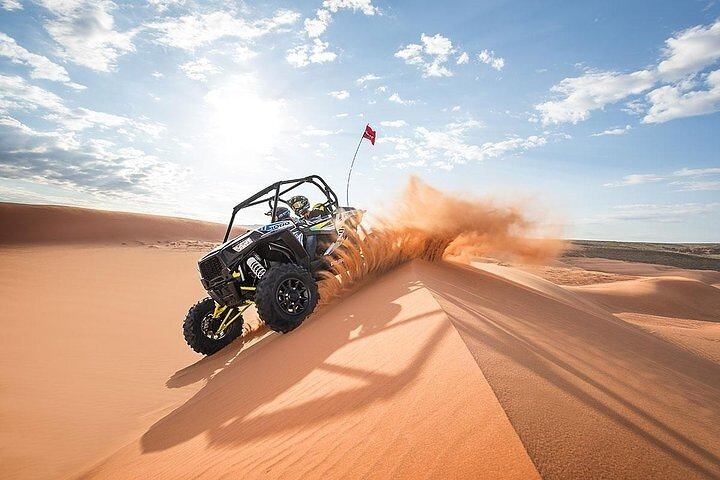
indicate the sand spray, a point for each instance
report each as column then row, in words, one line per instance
column 426, row 223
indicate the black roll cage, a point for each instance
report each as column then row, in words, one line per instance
column 272, row 194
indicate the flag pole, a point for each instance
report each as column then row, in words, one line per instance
column 347, row 187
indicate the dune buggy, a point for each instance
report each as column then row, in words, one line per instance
column 273, row 266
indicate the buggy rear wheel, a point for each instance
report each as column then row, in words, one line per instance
column 285, row 296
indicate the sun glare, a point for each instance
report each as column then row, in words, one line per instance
column 242, row 121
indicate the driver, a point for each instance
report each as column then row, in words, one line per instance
column 301, row 206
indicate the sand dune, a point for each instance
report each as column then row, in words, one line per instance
column 619, row 267
column 434, row 370
column 667, row 296
column 678, row 305
column 680, row 310
column 52, row 224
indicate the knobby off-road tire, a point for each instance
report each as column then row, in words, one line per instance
column 285, row 296
column 198, row 324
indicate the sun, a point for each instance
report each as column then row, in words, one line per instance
column 242, row 121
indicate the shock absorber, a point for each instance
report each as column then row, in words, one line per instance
column 256, row 267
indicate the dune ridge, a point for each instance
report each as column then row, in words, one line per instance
column 681, row 297
column 680, row 309
column 588, row 394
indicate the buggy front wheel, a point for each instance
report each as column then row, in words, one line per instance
column 202, row 330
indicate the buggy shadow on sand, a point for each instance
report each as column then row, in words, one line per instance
column 273, row 266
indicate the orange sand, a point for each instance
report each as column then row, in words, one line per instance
column 53, row 225
column 434, row 370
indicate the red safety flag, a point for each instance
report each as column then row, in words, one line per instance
column 370, row 134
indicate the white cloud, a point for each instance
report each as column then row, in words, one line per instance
column 489, row 58
column 281, row 19
column 40, row 67
column 381, row 89
column 685, row 55
column 367, row 78
column 199, row 69
column 697, row 185
column 696, row 172
column 317, row 51
column 430, row 56
column 512, row 145
column 456, row 108
column 17, row 95
column 690, row 51
column 340, row 94
column 658, row 213
column 82, row 118
column 592, row 91
column 157, row 74
column 635, row 107
column 93, row 166
column 11, row 5
column 613, row 131
column 365, row 6
column 395, row 98
column 163, row 5
column 463, row 59
column 671, row 102
column 695, row 182
column 243, row 53
column 394, row 123
column 318, row 132
column 196, row 30
column 304, row 55
column 449, row 146
column 85, row 32
column 314, row 27
column 412, row 54
column 322, row 149
column 437, row 45
column 635, row 179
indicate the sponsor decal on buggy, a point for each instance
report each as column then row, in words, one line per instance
column 271, row 227
column 239, row 247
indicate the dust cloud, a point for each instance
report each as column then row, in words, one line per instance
column 426, row 223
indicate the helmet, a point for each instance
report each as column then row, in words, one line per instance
column 299, row 204
column 282, row 213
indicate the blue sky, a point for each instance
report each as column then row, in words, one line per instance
column 602, row 116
